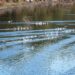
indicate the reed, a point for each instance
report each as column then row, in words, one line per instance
column 40, row 13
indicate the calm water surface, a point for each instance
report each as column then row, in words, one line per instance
column 38, row 49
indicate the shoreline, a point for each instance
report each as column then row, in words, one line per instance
column 32, row 11
column 11, row 6
column 30, row 5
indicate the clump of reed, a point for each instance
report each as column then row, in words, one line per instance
column 40, row 13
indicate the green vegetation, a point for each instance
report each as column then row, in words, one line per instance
column 43, row 13
column 38, row 13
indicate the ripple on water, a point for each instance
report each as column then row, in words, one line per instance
column 37, row 52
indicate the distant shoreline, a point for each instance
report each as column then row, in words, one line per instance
column 31, row 4
column 33, row 11
column 8, row 6
column 11, row 6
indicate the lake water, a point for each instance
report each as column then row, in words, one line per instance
column 35, row 49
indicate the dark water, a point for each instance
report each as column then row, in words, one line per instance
column 28, row 49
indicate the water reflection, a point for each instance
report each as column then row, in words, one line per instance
column 40, row 51
column 37, row 47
